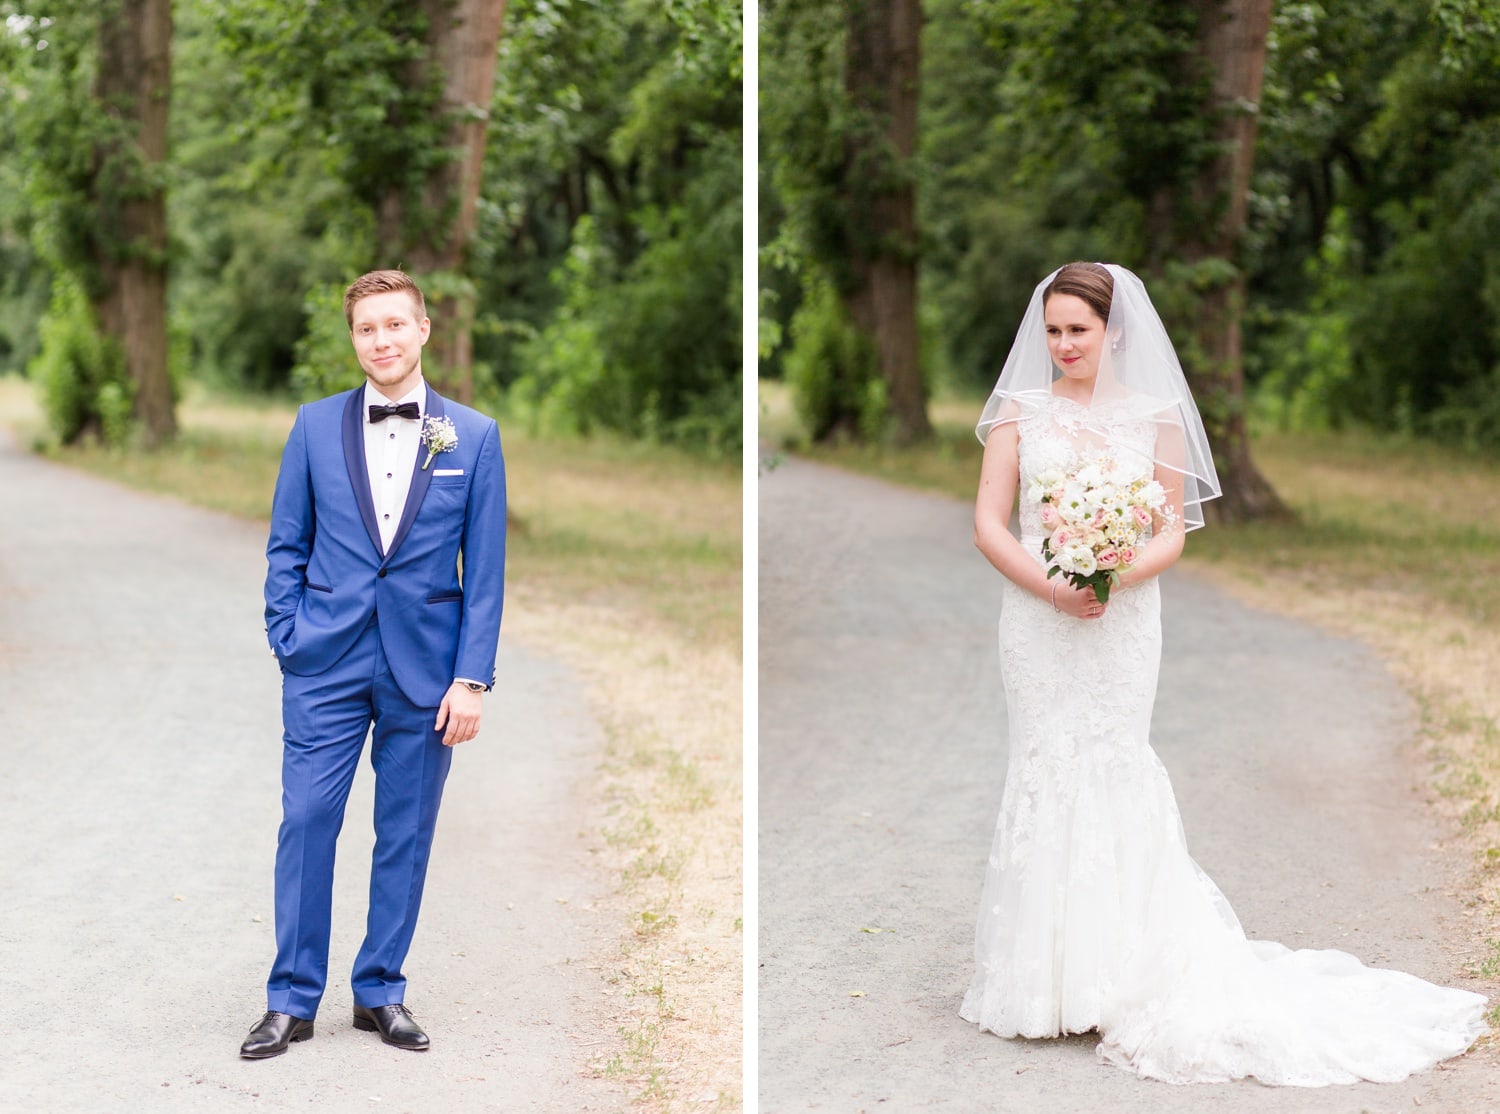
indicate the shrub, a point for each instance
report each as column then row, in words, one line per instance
column 80, row 371
column 831, row 370
column 326, row 363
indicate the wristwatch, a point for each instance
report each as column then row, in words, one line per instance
column 475, row 686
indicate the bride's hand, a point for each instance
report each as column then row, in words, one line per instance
column 1079, row 603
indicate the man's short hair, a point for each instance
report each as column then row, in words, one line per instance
column 382, row 282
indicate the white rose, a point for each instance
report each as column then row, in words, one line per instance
column 1035, row 492
column 1073, row 507
column 1051, row 477
column 1078, row 558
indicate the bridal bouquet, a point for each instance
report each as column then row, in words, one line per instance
column 1096, row 519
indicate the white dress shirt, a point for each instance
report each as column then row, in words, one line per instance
column 390, row 455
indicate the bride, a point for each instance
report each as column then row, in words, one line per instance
column 1094, row 915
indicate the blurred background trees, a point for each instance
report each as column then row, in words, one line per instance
column 1348, row 273
column 562, row 176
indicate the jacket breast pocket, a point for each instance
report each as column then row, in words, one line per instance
column 444, row 504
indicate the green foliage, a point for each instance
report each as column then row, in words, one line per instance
column 831, row 370
column 1053, row 132
column 1117, row 111
column 81, row 163
column 616, row 165
column 838, row 188
column 645, row 353
column 25, row 290
column 1035, row 153
column 326, row 363
column 291, row 121
column 1469, row 419
column 807, row 124
column 1311, row 358
column 80, row 371
column 351, row 77
column 1375, row 292
column 565, row 362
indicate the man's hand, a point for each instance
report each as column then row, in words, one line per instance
column 460, row 712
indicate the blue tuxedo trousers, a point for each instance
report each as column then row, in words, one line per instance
column 327, row 717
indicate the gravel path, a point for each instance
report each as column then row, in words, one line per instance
column 140, row 749
column 882, row 755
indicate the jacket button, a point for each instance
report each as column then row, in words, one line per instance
column 380, row 573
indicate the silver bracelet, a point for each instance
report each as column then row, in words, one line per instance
column 1054, row 595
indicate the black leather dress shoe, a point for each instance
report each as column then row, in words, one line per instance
column 394, row 1024
column 273, row 1033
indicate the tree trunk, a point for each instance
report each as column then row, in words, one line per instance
column 882, row 58
column 1232, row 42
column 132, row 87
column 463, row 37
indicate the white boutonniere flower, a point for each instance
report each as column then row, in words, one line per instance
column 439, row 435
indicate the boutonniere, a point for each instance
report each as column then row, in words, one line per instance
column 439, row 435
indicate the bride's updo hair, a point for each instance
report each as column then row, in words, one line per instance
column 1089, row 281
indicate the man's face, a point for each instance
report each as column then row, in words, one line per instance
column 388, row 338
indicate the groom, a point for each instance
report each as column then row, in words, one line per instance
column 383, row 491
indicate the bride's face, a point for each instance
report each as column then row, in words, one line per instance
column 1075, row 336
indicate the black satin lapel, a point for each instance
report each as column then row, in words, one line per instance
column 354, row 460
column 420, row 477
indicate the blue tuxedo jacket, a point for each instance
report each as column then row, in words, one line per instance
column 327, row 574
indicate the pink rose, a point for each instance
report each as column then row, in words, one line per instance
column 1127, row 556
column 1056, row 495
column 1061, row 538
column 1108, row 557
column 1050, row 518
column 1142, row 517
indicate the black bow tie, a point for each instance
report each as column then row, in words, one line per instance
column 380, row 413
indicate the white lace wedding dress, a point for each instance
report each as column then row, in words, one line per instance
column 1094, row 915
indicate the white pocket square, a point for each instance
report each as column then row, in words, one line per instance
column 447, row 471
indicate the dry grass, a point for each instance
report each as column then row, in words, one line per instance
column 1396, row 543
column 671, row 709
column 624, row 561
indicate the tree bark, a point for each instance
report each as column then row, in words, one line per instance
column 133, row 86
column 1232, row 38
column 463, row 37
column 883, row 56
